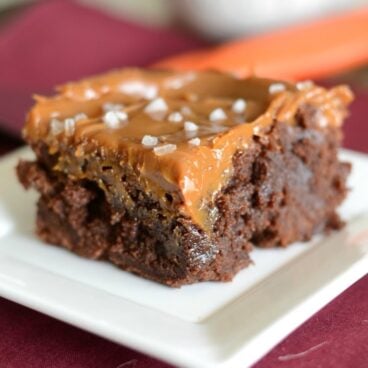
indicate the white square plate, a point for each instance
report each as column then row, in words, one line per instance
column 203, row 325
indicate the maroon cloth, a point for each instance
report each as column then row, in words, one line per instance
column 57, row 41
column 356, row 126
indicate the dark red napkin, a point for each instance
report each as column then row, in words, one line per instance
column 356, row 126
column 60, row 40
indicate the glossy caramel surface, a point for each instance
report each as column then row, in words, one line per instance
column 178, row 131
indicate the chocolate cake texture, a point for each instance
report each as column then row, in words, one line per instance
column 175, row 176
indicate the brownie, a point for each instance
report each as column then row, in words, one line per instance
column 175, row 176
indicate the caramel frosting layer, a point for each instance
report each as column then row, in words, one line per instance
column 178, row 131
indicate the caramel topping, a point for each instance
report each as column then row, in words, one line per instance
column 177, row 130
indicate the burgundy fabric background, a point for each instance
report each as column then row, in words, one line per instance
column 57, row 41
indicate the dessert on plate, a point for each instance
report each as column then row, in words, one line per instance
column 175, row 176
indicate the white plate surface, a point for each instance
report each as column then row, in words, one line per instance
column 203, row 325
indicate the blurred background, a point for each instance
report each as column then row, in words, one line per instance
column 216, row 19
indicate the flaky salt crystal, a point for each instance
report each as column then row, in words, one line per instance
column 149, row 140
column 276, row 88
column 322, row 120
column 302, row 85
column 56, row 126
column 217, row 153
column 256, row 130
column 189, row 126
column 139, row 89
column 217, row 114
column 115, row 119
column 175, row 117
column 188, row 184
column 69, row 126
column 90, row 94
column 239, row 106
column 180, row 81
column 195, row 141
column 157, row 105
column 165, row 149
column 80, row 116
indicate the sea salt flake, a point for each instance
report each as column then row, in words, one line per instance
column 109, row 106
column 195, row 141
column 217, row 114
column 188, row 184
column 256, row 130
column 175, row 117
column 303, row 85
column 69, row 126
column 90, row 94
column 276, row 88
column 80, row 116
column 149, row 141
column 139, row 89
column 322, row 120
column 217, row 153
column 189, row 126
column 165, row 149
column 157, row 105
column 56, row 126
column 115, row 119
column 239, row 106
column 180, row 81
column 157, row 108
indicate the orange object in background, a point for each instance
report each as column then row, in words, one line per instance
column 312, row 50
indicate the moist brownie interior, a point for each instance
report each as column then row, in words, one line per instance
column 176, row 175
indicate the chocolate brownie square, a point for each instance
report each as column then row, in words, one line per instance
column 175, row 176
